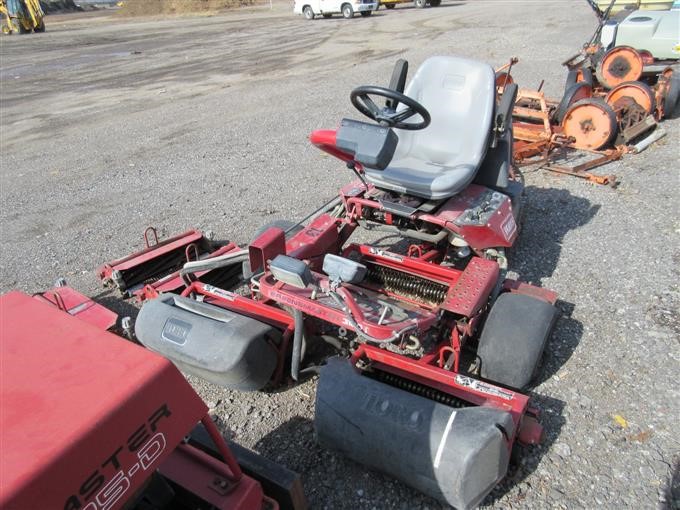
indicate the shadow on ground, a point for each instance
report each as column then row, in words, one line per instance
column 526, row 459
column 562, row 343
column 671, row 494
column 549, row 215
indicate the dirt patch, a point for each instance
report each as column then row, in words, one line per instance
column 151, row 7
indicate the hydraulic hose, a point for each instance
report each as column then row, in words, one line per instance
column 228, row 259
column 297, row 344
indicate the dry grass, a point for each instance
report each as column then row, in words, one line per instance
column 150, row 7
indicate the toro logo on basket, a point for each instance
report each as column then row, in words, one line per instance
column 399, row 414
column 509, row 227
column 101, row 492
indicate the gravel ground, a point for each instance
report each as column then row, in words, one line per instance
column 110, row 125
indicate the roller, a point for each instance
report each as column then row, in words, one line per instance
column 454, row 453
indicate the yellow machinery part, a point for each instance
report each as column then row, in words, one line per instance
column 31, row 19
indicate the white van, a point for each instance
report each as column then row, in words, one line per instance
column 326, row 8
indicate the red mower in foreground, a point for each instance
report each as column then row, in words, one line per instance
column 434, row 344
column 92, row 422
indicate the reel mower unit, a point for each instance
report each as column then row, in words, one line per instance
column 429, row 348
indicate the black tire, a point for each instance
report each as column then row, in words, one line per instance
column 22, row 29
column 347, row 11
column 513, row 339
column 390, row 6
column 308, row 12
column 40, row 28
column 366, row 14
column 419, row 4
column 672, row 99
column 573, row 94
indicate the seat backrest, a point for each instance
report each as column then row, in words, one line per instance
column 460, row 95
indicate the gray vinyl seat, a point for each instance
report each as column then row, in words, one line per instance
column 441, row 160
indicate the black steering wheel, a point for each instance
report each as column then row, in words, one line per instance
column 389, row 115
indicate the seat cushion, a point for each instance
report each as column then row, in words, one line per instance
column 423, row 178
column 442, row 159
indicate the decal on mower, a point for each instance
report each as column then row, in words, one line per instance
column 176, row 331
column 229, row 296
column 147, row 445
column 483, row 387
column 385, row 254
column 304, row 306
column 509, row 227
column 378, row 406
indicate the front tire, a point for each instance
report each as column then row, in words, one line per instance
column 308, row 12
column 513, row 339
column 20, row 26
column 347, row 11
column 366, row 14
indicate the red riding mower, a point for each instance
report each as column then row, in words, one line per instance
column 434, row 343
column 92, row 422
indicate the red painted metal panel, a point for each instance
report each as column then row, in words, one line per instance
column 527, row 289
column 472, row 289
column 78, row 305
column 315, row 241
column 500, row 230
column 85, row 415
column 460, row 386
column 269, row 244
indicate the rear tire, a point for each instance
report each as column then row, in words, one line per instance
column 419, row 4
column 347, row 11
column 513, row 339
column 308, row 12
column 366, row 14
column 22, row 29
column 672, row 99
